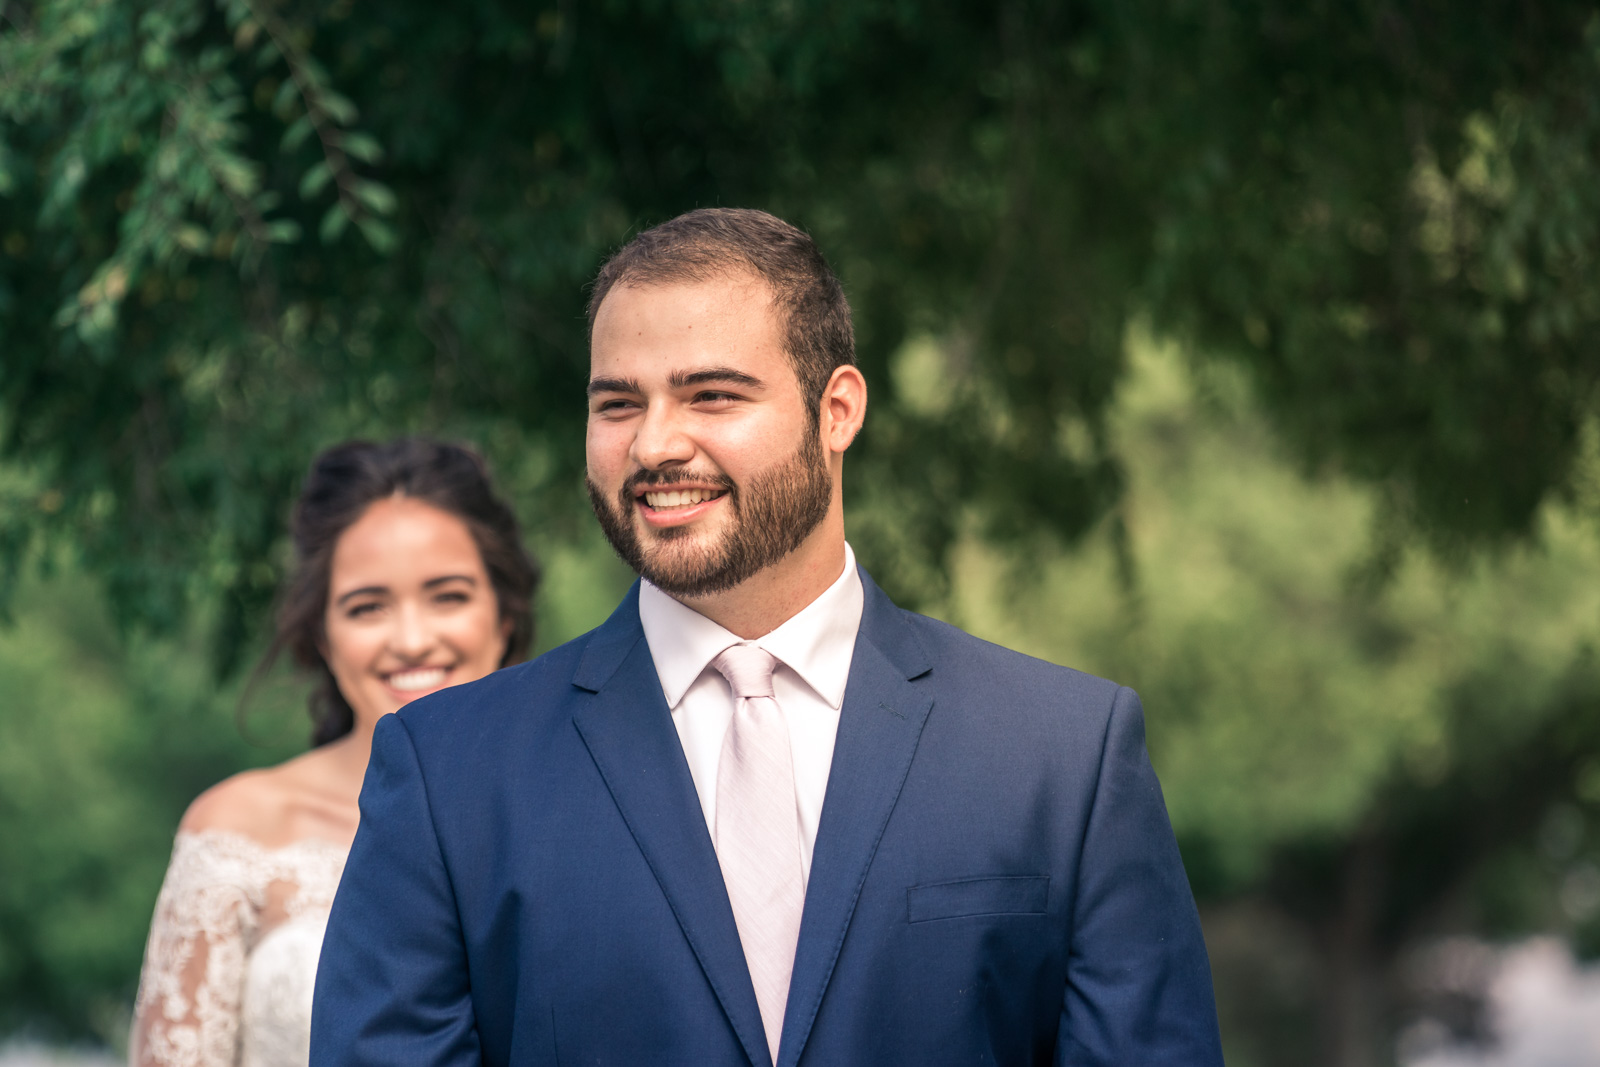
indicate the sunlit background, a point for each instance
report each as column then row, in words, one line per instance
column 1242, row 352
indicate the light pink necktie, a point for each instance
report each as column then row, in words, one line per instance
column 758, row 831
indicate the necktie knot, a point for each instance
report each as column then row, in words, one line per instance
column 748, row 670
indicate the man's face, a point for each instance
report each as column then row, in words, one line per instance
column 704, row 466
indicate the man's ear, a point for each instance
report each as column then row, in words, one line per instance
column 844, row 407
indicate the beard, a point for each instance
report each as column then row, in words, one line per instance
column 769, row 518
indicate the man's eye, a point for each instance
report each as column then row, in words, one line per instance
column 614, row 407
column 714, row 398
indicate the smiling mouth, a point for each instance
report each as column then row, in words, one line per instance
column 416, row 679
column 670, row 499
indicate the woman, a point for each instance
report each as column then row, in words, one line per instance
column 410, row 576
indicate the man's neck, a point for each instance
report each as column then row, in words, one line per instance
column 766, row 600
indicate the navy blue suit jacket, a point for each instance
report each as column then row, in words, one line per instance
column 995, row 880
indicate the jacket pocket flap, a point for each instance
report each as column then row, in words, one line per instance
column 1012, row 895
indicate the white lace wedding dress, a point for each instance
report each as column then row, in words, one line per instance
column 232, row 955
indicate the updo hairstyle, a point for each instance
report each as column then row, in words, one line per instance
column 342, row 483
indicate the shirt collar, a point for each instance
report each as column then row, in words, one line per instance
column 816, row 643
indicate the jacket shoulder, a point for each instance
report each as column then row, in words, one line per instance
column 958, row 654
column 492, row 704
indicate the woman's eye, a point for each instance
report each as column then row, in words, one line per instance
column 356, row 611
column 451, row 598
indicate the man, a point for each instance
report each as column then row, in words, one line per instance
column 761, row 814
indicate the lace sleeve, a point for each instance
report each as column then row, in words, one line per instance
column 187, row 1012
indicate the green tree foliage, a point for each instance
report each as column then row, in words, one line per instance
column 106, row 742
column 1350, row 767
column 233, row 231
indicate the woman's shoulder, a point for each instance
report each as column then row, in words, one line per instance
column 240, row 843
column 272, row 806
column 250, row 803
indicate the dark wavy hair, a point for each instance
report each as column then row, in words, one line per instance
column 713, row 241
column 341, row 484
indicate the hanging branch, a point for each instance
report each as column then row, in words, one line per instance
column 329, row 115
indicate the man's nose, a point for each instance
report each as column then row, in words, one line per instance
column 661, row 440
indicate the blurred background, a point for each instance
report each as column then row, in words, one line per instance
column 1244, row 352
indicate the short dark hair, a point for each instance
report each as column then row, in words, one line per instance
column 711, row 242
column 343, row 482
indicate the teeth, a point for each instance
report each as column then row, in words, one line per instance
column 678, row 498
column 420, row 678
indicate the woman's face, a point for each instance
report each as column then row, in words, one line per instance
column 410, row 608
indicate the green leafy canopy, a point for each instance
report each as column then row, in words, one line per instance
column 233, row 232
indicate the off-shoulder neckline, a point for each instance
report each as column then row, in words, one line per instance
column 237, row 837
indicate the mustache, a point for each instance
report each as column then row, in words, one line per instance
column 643, row 479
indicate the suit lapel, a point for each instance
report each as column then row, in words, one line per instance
column 628, row 729
column 879, row 726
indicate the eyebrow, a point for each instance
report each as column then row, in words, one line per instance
column 381, row 590
column 614, row 385
column 678, row 380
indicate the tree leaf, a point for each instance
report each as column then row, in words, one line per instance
column 362, row 146
column 285, row 99
column 333, row 223
column 337, row 106
column 315, row 179
column 283, row 231
column 375, row 196
column 296, row 134
column 192, row 238
column 245, row 35
column 379, row 234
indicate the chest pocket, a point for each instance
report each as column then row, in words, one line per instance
column 1010, row 895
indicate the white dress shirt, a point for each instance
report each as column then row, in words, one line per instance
column 813, row 649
